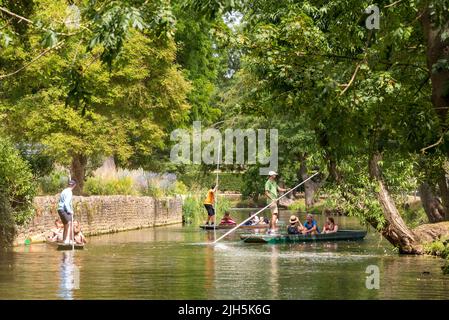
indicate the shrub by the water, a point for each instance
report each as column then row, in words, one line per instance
column 193, row 208
column 7, row 224
column 17, row 189
column 436, row 248
column 440, row 248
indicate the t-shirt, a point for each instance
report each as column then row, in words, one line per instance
column 308, row 226
column 210, row 197
column 292, row 229
column 227, row 221
column 65, row 200
column 272, row 187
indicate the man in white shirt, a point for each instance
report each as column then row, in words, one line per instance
column 65, row 210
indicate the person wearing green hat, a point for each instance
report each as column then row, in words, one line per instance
column 271, row 191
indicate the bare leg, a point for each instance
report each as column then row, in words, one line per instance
column 68, row 233
column 274, row 217
column 65, row 232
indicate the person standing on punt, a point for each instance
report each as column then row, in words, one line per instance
column 209, row 204
column 65, row 210
column 271, row 191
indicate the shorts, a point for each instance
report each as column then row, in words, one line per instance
column 210, row 209
column 274, row 208
column 65, row 216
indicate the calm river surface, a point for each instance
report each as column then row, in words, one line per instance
column 174, row 263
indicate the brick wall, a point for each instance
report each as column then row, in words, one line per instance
column 103, row 214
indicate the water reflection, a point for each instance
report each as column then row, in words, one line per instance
column 177, row 262
column 274, row 278
column 69, row 276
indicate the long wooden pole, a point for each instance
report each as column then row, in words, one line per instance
column 239, row 225
column 216, row 187
column 73, row 234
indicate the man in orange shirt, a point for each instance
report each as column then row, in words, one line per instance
column 209, row 204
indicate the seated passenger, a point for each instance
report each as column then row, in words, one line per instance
column 310, row 226
column 253, row 221
column 330, row 226
column 256, row 220
column 227, row 219
column 79, row 236
column 295, row 227
column 56, row 232
column 250, row 221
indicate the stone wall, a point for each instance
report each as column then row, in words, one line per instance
column 103, row 214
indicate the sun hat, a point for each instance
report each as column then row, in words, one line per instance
column 272, row 173
column 293, row 219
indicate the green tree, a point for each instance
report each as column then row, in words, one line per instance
column 113, row 89
column 363, row 93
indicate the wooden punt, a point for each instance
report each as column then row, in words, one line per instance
column 227, row 227
column 342, row 235
column 62, row 247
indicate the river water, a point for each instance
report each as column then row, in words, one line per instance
column 174, row 262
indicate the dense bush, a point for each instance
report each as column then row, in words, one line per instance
column 17, row 190
column 7, row 224
column 113, row 186
column 228, row 181
column 52, row 183
column 440, row 248
column 193, row 208
column 135, row 182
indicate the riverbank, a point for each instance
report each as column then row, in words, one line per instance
column 103, row 214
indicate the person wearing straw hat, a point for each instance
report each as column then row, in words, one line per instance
column 65, row 210
column 295, row 226
column 271, row 191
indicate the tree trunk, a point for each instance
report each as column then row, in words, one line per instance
column 334, row 173
column 437, row 50
column 431, row 204
column 444, row 193
column 78, row 172
column 310, row 187
column 432, row 231
column 395, row 230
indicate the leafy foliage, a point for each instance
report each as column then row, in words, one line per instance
column 17, row 187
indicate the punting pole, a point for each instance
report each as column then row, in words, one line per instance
column 216, row 186
column 236, row 227
column 73, row 234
